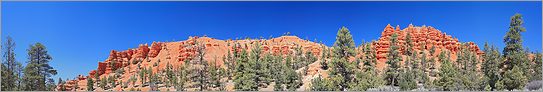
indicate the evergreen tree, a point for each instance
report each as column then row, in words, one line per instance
column 491, row 66
column 215, row 75
column 259, row 66
column 514, row 79
column 344, row 45
column 367, row 76
column 142, row 74
column 266, row 69
column 424, row 78
column 90, row 84
column 38, row 70
column 407, row 81
column 536, row 67
column 299, row 60
column 342, row 70
column 317, row 84
column 182, row 77
column 432, row 62
column 245, row 74
column 309, row 58
column 292, row 79
column 393, row 60
column 279, row 73
column 447, row 74
column 50, row 85
column 513, row 38
column 514, row 54
column 170, row 75
column 199, row 67
column 366, row 79
column 11, row 68
column 323, row 62
column 103, row 83
column 469, row 77
column 500, row 85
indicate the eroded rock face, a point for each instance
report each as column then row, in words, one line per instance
column 423, row 38
column 155, row 49
column 160, row 54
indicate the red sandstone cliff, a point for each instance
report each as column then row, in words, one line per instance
column 424, row 38
column 174, row 53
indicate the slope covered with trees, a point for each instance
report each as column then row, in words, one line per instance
column 418, row 58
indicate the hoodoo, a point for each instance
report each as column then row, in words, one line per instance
column 161, row 54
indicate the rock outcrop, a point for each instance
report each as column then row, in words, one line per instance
column 160, row 54
column 423, row 39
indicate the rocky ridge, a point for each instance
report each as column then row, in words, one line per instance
column 160, row 54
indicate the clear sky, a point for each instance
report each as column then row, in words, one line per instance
column 80, row 34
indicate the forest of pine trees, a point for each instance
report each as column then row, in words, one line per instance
column 254, row 70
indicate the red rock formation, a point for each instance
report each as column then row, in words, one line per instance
column 423, row 39
column 155, row 49
column 160, row 54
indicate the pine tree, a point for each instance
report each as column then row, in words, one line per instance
column 342, row 70
column 259, row 65
column 215, row 75
column 299, row 60
column 230, row 62
column 245, row 75
column 366, row 79
column 500, row 85
column 182, row 76
column 514, row 54
column 317, row 84
column 393, row 61
column 366, row 76
column 279, row 71
column 432, row 61
column 344, row 45
column 292, row 79
column 447, row 74
column 50, row 85
column 514, row 79
column 407, row 81
column 11, row 68
column 90, row 84
column 170, row 75
column 469, row 77
column 424, row 78
column 407, row 75
column 103, row 83
column 142, row 74
column 112, row 81
column 199, row 67
column 491, row 66
column 536, row 73
column 513, row 38
column 309, row 58
column 265, row 75
column 38, row 70
column 323, row 62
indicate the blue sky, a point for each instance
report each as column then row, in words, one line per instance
column 80, row 34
